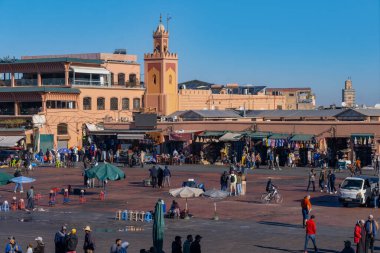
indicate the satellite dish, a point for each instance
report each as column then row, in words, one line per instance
column 344, row 104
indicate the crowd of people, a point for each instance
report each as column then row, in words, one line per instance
column 67, row 242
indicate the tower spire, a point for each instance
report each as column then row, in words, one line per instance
column 160, row 18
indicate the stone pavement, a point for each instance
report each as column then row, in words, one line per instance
column 245, row 225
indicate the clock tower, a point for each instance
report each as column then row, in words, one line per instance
column 161, row 75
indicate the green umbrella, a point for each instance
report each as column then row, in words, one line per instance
column 158, row 227
column 5, row 178
column 105, row 171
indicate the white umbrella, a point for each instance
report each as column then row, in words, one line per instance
column 186, row 192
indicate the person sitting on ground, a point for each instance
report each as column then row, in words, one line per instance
column 174, row 210
column 347, row 248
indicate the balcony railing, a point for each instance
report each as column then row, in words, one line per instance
column 29, row 111
column 53, row 81
column 5, row 82
column 26, row 82
column 88, row 82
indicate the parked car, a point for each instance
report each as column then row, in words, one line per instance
column 357, row 190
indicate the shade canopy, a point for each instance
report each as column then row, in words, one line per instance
column 5, row 178
column 186, row 192
column 22, row 180
column 10, row 141
column 231, row 137
column 302, row 137
column 90, row 70
column 105, row 171
column 158, row 227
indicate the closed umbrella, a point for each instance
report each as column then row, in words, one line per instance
column 5, row 178
column 158, row 227
column 22, row 180
column 215, row 195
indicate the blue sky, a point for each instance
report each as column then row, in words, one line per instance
column 278, row 43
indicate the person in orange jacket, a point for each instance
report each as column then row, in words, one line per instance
column 306, row 208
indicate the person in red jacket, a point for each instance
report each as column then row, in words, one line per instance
column 358, row 236
column 311, row 230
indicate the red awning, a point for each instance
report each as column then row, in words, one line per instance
column 180, row 136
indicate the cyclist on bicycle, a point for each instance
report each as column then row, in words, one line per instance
column 270, row 187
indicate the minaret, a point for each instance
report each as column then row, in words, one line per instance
column 348, row 94
column 161, row 75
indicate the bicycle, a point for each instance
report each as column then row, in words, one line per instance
column 272, row 196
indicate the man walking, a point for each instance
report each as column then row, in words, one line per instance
column 187, row 244
column 89, row 244
column 311, row 230
column 195, row 246
column 371, row 228
column 71, row 240
column 322, row 179
column 233, row 180
column 177, row 245
column 167, row 176
column 153, row 175
column 311, row 180
column 59, row 240
column 332, row 182
column 224, row 181
column 30, row 198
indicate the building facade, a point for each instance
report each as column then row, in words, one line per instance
column 296, row 98
column 57, row 95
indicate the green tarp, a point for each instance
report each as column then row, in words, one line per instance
column 276, row 136
column 5, row 178
column 105, row 171
column 212, row 133
column 302, row 137
column 258, row 135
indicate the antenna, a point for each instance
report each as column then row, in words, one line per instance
column 168, row 18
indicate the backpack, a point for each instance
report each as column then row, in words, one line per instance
column 232, row 179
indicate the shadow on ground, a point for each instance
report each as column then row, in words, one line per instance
column 278, row 249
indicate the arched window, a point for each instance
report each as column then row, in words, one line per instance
column 136, row 104
column 132, row 78
column 87, row 103
column 114, row 104
column 170, row 79
column 100, row 103
column 154, row 79
column 62, row 129
column 121, row 78
column 125, row 104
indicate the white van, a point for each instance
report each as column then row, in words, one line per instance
column 357, row 190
